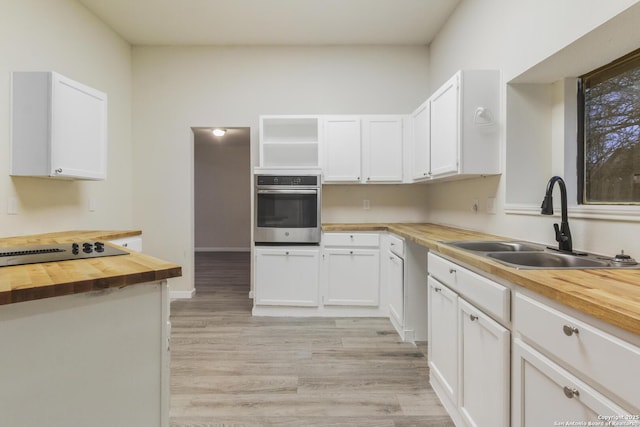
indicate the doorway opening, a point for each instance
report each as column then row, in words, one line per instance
column 222, row 191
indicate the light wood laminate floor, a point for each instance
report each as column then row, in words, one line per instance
column 231, row 369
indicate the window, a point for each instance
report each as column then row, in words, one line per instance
column 609, row 132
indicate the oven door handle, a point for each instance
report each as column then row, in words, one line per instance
column 287, row 191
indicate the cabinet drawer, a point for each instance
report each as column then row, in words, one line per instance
column 606, row 359
column 493, row 298
column 352, row 239
column 396, row 245
column 544, row 393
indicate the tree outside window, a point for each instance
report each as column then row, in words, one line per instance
column 609, row 133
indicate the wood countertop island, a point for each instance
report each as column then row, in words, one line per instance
column 98, row 353
column 611, row 295
column 44, row 280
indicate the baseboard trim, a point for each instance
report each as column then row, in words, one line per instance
column 182, row 294
column 221, row 249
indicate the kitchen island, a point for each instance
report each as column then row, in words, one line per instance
column 85, row 341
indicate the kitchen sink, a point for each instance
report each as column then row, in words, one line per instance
column 530, row 256
column 496, row 246
column 548, row 260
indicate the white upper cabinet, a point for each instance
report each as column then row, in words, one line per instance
column 342, row 149
column 382, row 148
column 59, row 127
column 420, row 159
column 444, row 130
column 290, row 141
column 362, row 149
column 464, row 135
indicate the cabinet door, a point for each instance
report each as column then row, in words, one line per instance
column 382, row 149
column 286, row 277
column 342, row 145
column 353, row 277
column 395, row 283
column 545, row 394
column 445, row 124
column 78, row 130
column 421, row 137
column 484, row 353
column 443, row 337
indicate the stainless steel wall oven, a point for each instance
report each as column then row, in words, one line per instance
column 287, row 208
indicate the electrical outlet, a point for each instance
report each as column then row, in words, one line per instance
column 491, row 205
column 12, row 205
column 365, row 204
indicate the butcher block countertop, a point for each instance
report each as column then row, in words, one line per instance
column 21, row 283
column 611, row 295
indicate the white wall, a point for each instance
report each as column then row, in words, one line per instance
column 178, row 88
column 222, row 182
column 63, row 36
column 532, row 42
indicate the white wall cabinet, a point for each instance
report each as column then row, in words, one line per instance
column 445, row 128
column 286, row 276
column 455, row 132
column 382, row 149
column 351, row 269
column 59, row 127
column 366, row 149
column 464, row 135
column 290, row 141
column 469, row 352
column 420, row 147
column 342, row 149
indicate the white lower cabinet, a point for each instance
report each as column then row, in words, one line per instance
column 352, row 276
column 395, row 286
column 286, row 276
column 545, row 394
column 351, row 269
column 443, row 337
column 484, row 356
column 133, row 243
column 469, row 352
column 567, row 368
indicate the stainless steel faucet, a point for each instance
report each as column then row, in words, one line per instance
column 563, row 234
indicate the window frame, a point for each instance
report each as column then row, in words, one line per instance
column 581, row 195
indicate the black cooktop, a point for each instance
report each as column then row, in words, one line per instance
column 19, row 255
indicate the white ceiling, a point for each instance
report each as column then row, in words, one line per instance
column 274, row 22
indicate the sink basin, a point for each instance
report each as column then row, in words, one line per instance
column 496, row 246
column 547, row 260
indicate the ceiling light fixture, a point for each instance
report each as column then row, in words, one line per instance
column 219, row 132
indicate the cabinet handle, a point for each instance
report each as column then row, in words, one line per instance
column 286, row 253
column 350, row 252
column 452, row 271
column 358, row 178
column 569, row 330
column 472, row 317
column 425, row 174
column 571, row 392
column 437, row 289
column 351, row 236
column 368, row 179
column 59, row 170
